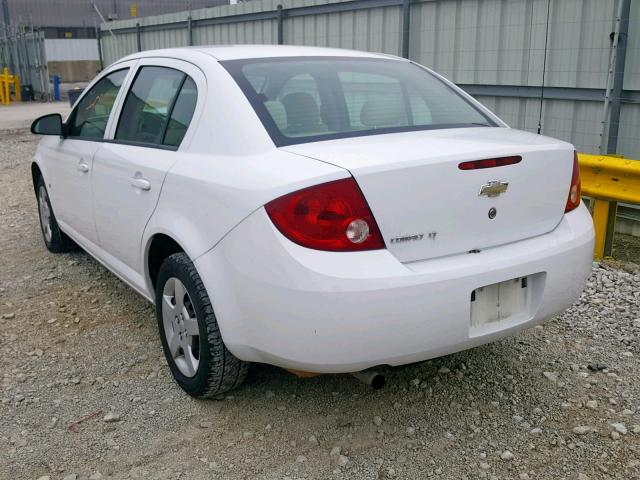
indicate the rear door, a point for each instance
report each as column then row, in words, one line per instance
column 141, row 147
column 73, row 158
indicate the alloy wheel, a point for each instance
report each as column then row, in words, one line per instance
column 45, row 213
column 181, row 327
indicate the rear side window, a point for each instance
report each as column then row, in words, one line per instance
column 182, row 113
column 158, row 107
column 89, row 119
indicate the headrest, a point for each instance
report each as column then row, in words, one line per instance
column 382, row 111
column 302, row 110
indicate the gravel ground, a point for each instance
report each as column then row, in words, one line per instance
column 626, row 248
column 85, row 392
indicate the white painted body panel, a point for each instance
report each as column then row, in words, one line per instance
column 121, row 210
column 282, row 304
column 220, row 191
column 414, row 187
column 278, row 302
column 69, row 178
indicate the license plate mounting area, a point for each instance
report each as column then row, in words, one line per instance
column 500, row 305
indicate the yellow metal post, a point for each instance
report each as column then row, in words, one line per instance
column 600, row 221
column 5, row 86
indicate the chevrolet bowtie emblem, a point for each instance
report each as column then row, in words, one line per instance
column 493, row 188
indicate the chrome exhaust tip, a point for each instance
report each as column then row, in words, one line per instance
column 373, row 378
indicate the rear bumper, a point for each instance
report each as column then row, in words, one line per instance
column 290, row 306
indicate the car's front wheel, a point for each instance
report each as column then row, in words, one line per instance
column 193, row 346
column 55, row 239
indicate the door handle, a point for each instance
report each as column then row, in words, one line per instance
column 83, row 167
column 141, row 183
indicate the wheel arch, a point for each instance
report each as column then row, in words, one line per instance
column 36, row 173
column 159, row 246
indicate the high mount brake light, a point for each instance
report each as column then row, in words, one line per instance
column 574, row 189
column 489, row 163
column 332, row 216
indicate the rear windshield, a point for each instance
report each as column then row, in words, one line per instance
column 306, row 99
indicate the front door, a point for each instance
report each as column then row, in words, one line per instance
column 71, row 186
column 129, row 168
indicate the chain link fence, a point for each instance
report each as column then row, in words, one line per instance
column 24, row 54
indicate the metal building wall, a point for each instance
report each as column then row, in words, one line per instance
column 501, row 42
column 80, row 13
column 629, row 139
column 493, row 48
column 375, row 30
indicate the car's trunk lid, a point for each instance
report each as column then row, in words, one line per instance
column 427, row 207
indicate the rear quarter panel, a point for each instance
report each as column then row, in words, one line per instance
column 206, row 195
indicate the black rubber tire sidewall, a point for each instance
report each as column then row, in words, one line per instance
column 59, row 241
column 218, row 370
column 197, row 384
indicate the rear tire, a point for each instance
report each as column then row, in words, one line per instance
column 194, row 349
column 55, row 239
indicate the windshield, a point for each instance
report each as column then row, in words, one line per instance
column 305, row 99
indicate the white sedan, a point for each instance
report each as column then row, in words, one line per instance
column 317, row 209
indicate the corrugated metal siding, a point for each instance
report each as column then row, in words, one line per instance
column 475, row 42
column 164, row 39
column 575, row 122
column 501, row 42
column 632, row 66
column 264, row 31
column 579, row 44
column 629, row 134
column 114, row 48
column 376, row 30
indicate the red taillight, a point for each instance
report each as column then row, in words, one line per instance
column 489, row 163
column 574, row 190
column 332, row 216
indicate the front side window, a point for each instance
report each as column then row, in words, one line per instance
column 308, row 99
column 89, row 119
column 158, row 107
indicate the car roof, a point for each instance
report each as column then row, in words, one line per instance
column 237, row 52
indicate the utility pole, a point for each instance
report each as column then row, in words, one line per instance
column 618, row 76
column 95, row 7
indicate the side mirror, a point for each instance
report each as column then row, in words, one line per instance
column 48, row 125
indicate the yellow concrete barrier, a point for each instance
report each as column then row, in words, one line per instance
column 6, row 82
column 608, row 180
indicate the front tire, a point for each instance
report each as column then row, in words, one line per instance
column 197, row 356
column 55, row 239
